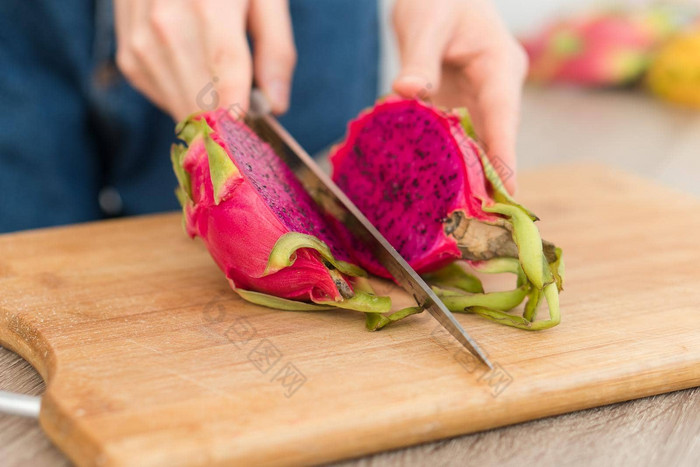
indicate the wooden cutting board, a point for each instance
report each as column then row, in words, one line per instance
column 150, row 359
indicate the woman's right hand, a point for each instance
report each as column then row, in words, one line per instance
column 192, row 55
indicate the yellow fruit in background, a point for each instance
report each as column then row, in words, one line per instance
column 674, row 73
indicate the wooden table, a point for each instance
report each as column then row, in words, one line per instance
column 659, row 430
column 627, row 130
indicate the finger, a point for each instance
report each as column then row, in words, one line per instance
column 270, row 26
column 498, row 129
column 227, row 55
column 121, row 18
column 125, row 16
column 143, row 59
column 422, row 35
column 495, row 107
column 181, row 46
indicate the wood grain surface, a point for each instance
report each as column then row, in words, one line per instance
column 652, row 431
column 150, row 358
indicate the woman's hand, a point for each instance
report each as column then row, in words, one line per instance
column 192, row 55
column 460, row 53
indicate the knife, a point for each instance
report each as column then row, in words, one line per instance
column 332, row 199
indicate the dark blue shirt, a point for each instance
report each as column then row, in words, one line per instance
column 71, row 124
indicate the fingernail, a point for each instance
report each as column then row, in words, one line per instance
column 279, row 95
column 414, row 79
column 416, row 85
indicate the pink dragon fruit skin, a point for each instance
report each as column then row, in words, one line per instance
column 402, row 133
column 248, row 208
column 412, row 169
column 596, row 50
column 254, row 229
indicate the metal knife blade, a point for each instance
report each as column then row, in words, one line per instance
column 319, row 184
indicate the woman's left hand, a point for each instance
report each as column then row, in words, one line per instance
column 460, row 53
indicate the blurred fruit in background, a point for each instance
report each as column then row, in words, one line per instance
column 597, row 49
column 674, row 73
column 604, row 48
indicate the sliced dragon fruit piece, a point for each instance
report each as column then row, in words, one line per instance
column 260, row 226
column 419, row 177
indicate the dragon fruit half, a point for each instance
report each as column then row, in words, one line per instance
column 259, row 225
column 419, row 177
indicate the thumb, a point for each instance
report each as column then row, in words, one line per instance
column 274, row 52
column 421, row 45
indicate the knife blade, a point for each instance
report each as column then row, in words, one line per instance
column 332, row 199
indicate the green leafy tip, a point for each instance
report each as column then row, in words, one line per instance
column 284, row 304
column 376, row 321
column 453, row 275
column 527, row 238
column 500, row 194
column 361, row 301
column 536, row 277
column 177, row 157
column 503, row 301
column 222, row 170
column 283, row 254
